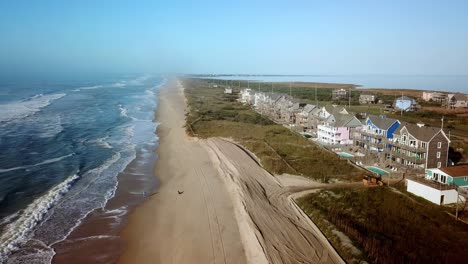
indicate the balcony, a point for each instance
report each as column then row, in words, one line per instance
column 407, row 147
column 414, row 159
column 371, row 134
column 433, row 184
column 328, row 129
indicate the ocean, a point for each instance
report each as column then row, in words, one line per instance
column 447, row 83
column 63, row 144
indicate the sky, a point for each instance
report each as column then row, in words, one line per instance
column 254, row 37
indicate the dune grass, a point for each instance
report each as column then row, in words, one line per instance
column 215, row 114
column 387, row 226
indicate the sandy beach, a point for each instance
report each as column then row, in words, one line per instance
column 196, row 226
column 216, row 204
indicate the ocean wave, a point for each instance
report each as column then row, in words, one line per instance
column 119, row 84
column 101, row 142
column 123, row 111
column 8, row 219
column 93, row 191
column 49, row 126
column 48, row 161
column 88, row 88
column 16, row 232
column 24, row 108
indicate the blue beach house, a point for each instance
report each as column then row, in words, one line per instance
column 375, row 131
column 405, row 103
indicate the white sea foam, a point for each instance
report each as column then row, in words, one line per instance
column 119, row 84
column 48, row 161
column 88, row 88
column 22, row 109
column 102, row 142
column 91, row 87
column 123, row 111
column 8, row 219
column 18, row 231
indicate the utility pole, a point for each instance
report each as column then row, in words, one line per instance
column 248, row 84
column 442, row 126
column 456, row 211
column 349, row 97
column 316, row 102
column 401, row 112
column 272, row 87
column 290, row 89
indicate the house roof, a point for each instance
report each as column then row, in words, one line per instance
column 345, row 120
column 459, row 97
column 308, row 108
column 456, row 171
column 424, row 133
column 332, row 109
column 382, row 122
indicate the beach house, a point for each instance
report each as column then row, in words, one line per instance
column 302, row 118
column 337, row 129
column 367, row 99
column 288, row 115
column 456, row 175
column 405, row 103
column 458, row 100
column 374, row 132
column 339, row 94
column 445, row 185
column 434, row 97
column 418, row 146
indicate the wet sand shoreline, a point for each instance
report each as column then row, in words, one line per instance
column 97, row 238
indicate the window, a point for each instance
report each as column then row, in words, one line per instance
column 439, row 164
column 404, row 139
column 436, row 176
column 439, row 144
column 423, row 144
column 438, row 154
column 443, row 178
column 465, row 178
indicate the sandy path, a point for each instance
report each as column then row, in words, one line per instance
column 282, row 231
column 197, row 226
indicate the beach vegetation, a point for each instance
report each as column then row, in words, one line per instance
column 386, row 226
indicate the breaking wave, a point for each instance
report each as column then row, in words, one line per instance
column 37, row 164
column 24, row 108
column 17, row 231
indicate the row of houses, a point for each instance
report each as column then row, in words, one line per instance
column 396, row 144
column 452, row 100
column 414, row 146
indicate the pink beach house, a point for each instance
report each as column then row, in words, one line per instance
column 337, row 129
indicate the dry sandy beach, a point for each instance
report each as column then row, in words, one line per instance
column 216, row 204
